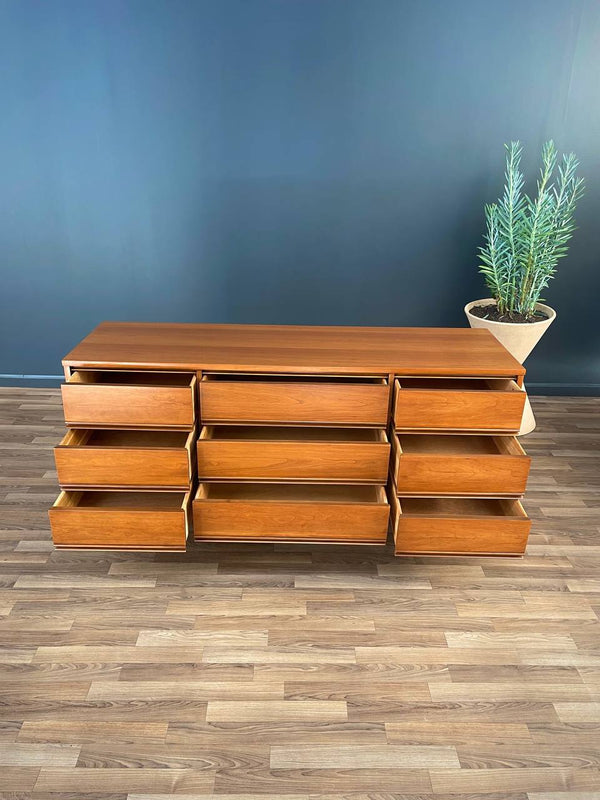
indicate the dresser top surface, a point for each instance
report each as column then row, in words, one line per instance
column 294, row 348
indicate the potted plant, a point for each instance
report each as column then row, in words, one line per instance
column 525, row 237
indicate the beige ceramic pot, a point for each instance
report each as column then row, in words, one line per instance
column 519, row 338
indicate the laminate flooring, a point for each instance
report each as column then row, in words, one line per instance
column 301, row 672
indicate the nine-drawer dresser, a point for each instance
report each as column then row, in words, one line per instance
column 291, row 433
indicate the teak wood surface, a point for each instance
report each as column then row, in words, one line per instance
column 281, row 402
column 299, row 672
column 294, row 454
column 130, row 520
column 351, row 514
column 294, row 348
column 102, row 459
column 452, row 407
column 459, row 527
column 448, row 464
column 87, row 403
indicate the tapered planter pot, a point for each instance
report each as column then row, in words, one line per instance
column 519, row 338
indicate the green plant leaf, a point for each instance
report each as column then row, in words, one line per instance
column 526, row 236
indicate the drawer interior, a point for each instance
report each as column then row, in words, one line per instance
column 292, row 434
column 459, row 384
column 292, row 493
column 269, row 378
column 131, row 378
column 460, row 507
column 458, row 445
column 123, row 501
column 125, row 439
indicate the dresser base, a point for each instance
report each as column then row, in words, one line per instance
column 291, row 434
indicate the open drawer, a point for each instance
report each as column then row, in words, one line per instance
column 240, row 452
column 124, row 458
column 120, row 520
column 294, row 399
column 291, row 512
column 477, row 404
column 455, row 464
column 104, row 398
column 465, row 526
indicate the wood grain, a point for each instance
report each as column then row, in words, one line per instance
column 251, row 511
column 301, row 672
column 442, row 404
column 295, row 348
column 138, row 520
column 293, row 454
column 463, row 526
column 130, row 403
column 150, row 459
column 429, row 464
column 291, row 402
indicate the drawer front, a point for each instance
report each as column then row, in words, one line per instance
column 298, row 461
column 453, row 474
column 83, row 466
column 307, row 403
column 106, row 458
column 457, row 535
column 453, row 409
column 118, row 529
column 90, row 404
column 290, row 521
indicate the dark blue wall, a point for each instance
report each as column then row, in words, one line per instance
column 290, row 161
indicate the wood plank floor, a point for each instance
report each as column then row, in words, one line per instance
column 297, row 672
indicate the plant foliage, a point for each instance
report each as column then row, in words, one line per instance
column 525, row 236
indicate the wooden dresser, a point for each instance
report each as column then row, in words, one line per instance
column 290, row 433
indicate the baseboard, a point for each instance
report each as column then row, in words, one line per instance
column 533, row 388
